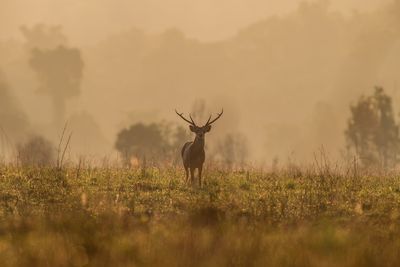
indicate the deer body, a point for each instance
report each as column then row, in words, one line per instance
column 193, row 154
column 193, row 157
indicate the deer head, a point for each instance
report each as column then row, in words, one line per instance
column 200, row 131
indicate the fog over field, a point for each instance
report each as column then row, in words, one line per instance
column 90, row 20
column 285, row 72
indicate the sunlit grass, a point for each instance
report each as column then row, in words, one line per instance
column 132, row 217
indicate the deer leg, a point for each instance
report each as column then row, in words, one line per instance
column 192, row 175
column 200, row 170
column 187, row 175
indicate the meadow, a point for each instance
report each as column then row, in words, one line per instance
column 114, row 216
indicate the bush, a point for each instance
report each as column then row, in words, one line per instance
column 37, row 151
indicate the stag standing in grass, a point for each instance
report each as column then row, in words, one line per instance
column 193, row 154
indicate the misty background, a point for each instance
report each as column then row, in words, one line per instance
column 285, row 72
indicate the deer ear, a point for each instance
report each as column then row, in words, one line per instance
column 208, row 128
column 191, row 127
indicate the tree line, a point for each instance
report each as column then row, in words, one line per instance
column 372, row 135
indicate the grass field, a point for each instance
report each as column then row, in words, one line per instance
column 109, row 216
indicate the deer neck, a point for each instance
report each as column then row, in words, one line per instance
column 198, row 143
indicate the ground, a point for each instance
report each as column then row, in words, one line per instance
column 113, row 216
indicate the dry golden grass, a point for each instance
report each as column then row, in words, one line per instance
column 122, row 217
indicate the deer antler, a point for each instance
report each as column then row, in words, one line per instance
column 181, row 115
column 192, row 119
column 219, row 115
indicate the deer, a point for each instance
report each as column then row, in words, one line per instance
column 193, row 154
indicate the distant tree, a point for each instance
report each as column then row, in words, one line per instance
column 60, row 73
column 232, row 149
column 180, row 135
column 141, row 141
column 43, row 36
column 88, row 136
column 36, row 151
column 13, row 120
column 372, row 131
column 156, row 141
column 199, row 109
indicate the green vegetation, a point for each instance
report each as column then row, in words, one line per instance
column 87, row 216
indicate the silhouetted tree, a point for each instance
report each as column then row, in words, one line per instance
column 199, row 110
column 156, row 141
column 60, row 73
column 88, row 136
column 141, row 141
column 174, row 135
column 13, row 121
column 42, row 36
column 232, row 149
column 372, row 131
column 180, row 134
column 37, row 151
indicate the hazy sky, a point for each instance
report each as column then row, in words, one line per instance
column 88, row 21
column 330, row 62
